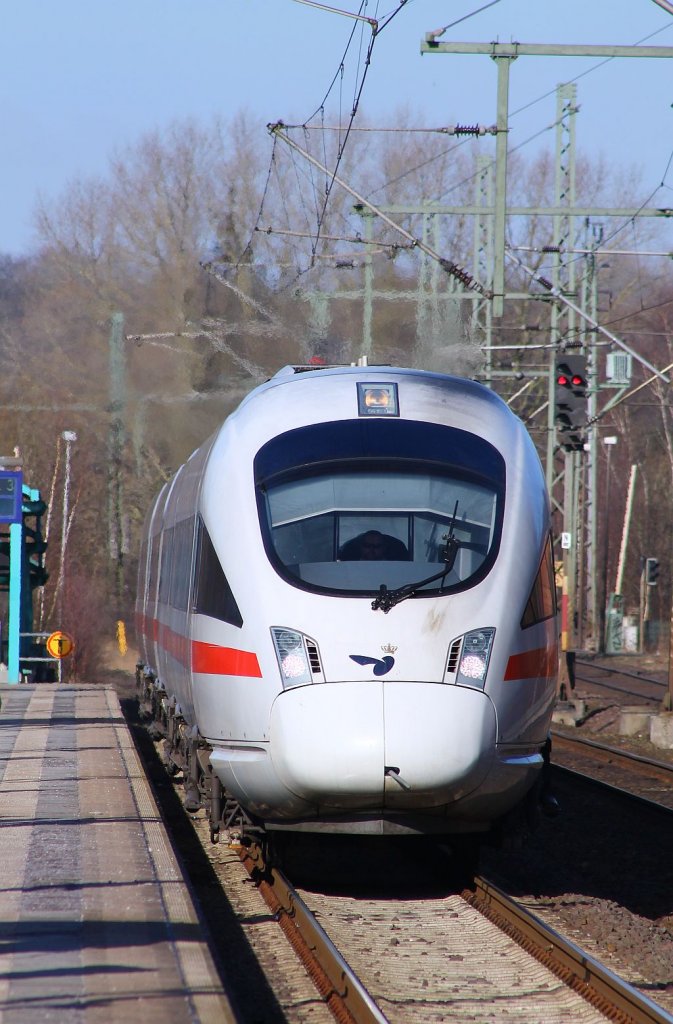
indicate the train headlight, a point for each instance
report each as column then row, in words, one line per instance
column 377, row 399
column 293, row 660
column 474, row 658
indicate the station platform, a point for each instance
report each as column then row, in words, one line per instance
column 96, row 921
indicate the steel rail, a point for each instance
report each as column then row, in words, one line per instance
column 605, row 684
column 645, row 802
column 588, row 977
column 339, row 986
column 349, row 1000
column 651, row 805
column 626, row 755
column 613, row 683
column 621, row 672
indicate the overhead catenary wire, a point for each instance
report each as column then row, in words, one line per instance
column 448, row 266
column 342, row 144
column 377, row 27
column 438, row 32
column 543, row 249
column 564, row 300
column 331, row 176
column 214, row 332
column 513, row 114
column 644, row 309
column 246, row 250
column 452, row 149
column 350, row 239
column 629, row 394
column 587, row 71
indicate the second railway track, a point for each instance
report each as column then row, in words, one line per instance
column 623, row 684
column 642, row 776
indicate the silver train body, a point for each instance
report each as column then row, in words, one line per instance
column 408, row 688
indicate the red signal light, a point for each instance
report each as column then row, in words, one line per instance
column 576, row 381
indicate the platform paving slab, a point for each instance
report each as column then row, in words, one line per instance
column 97, row 924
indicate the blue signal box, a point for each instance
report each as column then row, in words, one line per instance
column 11, row 493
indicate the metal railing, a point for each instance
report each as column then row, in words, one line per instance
column 31, row 659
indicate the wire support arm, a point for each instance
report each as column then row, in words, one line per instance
column 447, row 265
column 372, row 22
column 449, row 129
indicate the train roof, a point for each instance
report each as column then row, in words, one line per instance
column 295, row 373
column 300, row 396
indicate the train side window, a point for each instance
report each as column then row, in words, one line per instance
column 183, row 542
column 542, row 601
column 166, row 565
column 153, row 571
column 142, row 571
column 212, row 594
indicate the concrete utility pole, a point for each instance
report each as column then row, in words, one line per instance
column 614, row 615
column 609, row 443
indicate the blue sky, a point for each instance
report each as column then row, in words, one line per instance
column 79, row 78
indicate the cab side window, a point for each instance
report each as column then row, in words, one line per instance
column 212, row 594
column 542, row 601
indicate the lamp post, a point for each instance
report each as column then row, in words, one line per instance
column 69, row 436
column 609, row 443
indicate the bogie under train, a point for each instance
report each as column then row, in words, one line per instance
column 346, row 607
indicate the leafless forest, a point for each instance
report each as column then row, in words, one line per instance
column 228, row 256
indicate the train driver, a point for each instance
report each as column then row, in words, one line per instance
column 374, row 546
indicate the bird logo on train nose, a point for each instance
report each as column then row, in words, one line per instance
column 381, row 665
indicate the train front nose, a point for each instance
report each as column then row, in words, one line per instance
column 381, row 744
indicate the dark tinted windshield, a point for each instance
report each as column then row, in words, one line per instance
column 345, row 507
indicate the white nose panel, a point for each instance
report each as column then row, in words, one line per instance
column 441, row 738
column 327, row 741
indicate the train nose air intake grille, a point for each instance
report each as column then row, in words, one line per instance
column 454, row 655
column 313, row 657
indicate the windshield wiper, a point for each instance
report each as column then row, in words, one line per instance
column 387, row 599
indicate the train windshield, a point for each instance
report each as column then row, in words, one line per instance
column 348, row 506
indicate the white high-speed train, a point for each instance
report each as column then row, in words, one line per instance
column 346, row 607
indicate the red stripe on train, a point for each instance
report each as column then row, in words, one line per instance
column 226, row 661
column 540, row 663
column 208, row 659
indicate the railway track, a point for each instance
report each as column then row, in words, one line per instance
column 623, row 762
column 605, row 677
column 461, row 956
column 457, row 955
column 624, row 770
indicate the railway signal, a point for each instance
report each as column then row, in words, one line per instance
column 570, row 402
column 651, row 571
